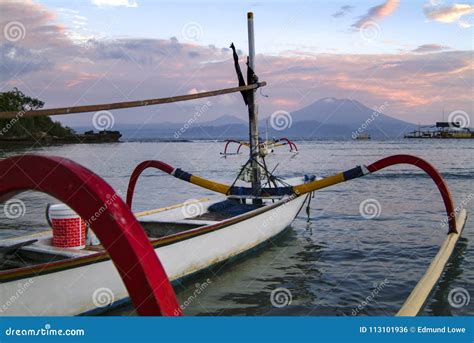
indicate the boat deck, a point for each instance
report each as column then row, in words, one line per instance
column 156, row 225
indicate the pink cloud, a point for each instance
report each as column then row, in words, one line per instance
column 35, row 23
column 426, row 48
column 82, row 77
column 450, row 14
column 285, row 103
column 377, row 13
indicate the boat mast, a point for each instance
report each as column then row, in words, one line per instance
column 253, row 110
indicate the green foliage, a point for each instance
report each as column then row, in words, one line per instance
column 20, row 126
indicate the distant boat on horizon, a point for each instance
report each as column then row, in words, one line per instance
column 444, row 130
column 362, row 137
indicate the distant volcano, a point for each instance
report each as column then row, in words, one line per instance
column 331, row 116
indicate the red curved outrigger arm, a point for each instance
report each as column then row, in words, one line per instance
column 138, row 170
column 431, row 171
column 117, row 228
column 290, row 143
column 231, row 141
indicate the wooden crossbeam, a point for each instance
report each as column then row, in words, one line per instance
column 128, row 104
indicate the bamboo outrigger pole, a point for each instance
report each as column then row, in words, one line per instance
column 128, row 104
column 253, row 110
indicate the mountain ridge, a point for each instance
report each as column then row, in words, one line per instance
column 325, row 118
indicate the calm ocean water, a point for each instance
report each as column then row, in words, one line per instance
column 328, row 266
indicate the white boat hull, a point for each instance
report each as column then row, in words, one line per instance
column 87, row 288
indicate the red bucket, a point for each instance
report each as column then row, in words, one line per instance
column 69, row 230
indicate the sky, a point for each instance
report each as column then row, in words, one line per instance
column 413, row 57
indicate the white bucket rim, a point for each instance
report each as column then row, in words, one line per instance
column 58, row 211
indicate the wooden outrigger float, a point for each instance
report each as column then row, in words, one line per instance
column 141, row 253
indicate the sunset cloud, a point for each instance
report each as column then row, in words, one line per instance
column 430, row 48
column 377, row 13
column 450, row 14
column 344, row 10
column 82, row 77
column 36, row 24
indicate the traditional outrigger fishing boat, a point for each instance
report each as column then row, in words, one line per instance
column 140, row 252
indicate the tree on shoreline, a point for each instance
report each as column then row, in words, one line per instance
column 22, row 127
